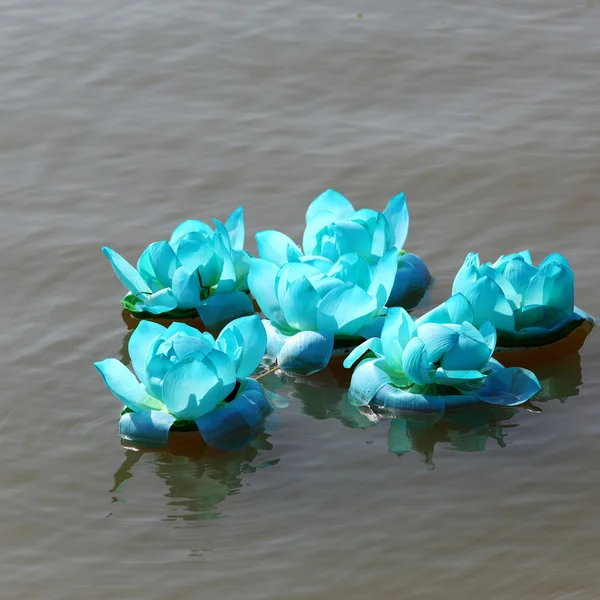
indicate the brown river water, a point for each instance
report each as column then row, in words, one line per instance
column 120, row 119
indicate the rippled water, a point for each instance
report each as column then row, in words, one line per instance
column 120, row 119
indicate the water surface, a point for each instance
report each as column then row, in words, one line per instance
column 120, row 119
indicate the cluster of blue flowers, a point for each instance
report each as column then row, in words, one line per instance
column 344, row 290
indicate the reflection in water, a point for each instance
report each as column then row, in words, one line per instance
column 465, row 430
column 560, row 379
column 124, row 351
column 325, row 396
column 198, row 478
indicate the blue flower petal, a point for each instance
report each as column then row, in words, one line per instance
column 291, row 272
column 454, row 311
column 235, row 228
column 396, row 212
column 552, row 286
column 244, row 341
column 275, row 339
column 223, row 235
column 518, row 273
column 467, row 274
column 398, row 329
column 371, row 345
column 228, row 278
column 489, row 304
column 373, row 382
column 191, row 389
column 456, row 377
column 415, row 363
column 197, row 252
column 275, row 247
column 330, row 200
column 372, row 328
column 404, row 402
column 470, row 352
column 186, row 288
column 324, row 284
column 320, row 263
column 382, row 237
column 507, row 289
column 158, row 303
column 367, row 379
column 158, row 263
column 241, row 263
column 318, row 223
column 508, row 387
column 144, row 336
column 345, row 309
column 411, row 276
column 224, row 368
column 261, row 281
column 247, row 411
column 190, row 226
column 343, row 237
column 124, row 385
column 525, row 255
column 556, row 258
column 299, row 305
column 351, row 268
column 488, row 332
column 126, row 274
column 384, row 277
column 438, row 340
column 221, row 308
column 149, row 426
column 306, row 352
column 178, row 327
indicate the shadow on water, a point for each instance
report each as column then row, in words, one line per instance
column 198, row 478
column 324, row 396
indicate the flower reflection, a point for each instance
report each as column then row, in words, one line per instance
column 465, row 430
column 559, row 379
column 470, row 429
column 325, row 396
column 198, row 478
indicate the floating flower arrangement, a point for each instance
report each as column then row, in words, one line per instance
column 185, row 380
column 343, row 293
column 531, row 307
column 334, row 228
column 437, row 361
column 199, row 272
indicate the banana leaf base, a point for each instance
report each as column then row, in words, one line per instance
column 531, row 356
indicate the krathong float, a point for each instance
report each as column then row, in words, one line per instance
column 314, row 307
column 533, row 308
column 188, row 381
column 335, row 228
column 440, row 360
column 199, row 272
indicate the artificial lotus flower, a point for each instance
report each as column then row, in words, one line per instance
column 186, row 376
column 311, row 303
column 199, row 271
column 335, row 228
column 439, row 360
column 529, row 305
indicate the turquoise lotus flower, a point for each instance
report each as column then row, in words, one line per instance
column 436, row 361
column 312, row 302
column 529, row 305
column 188, row 376
column 199, row 271
column 335, row 228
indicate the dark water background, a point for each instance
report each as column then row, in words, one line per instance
column 120, row 119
